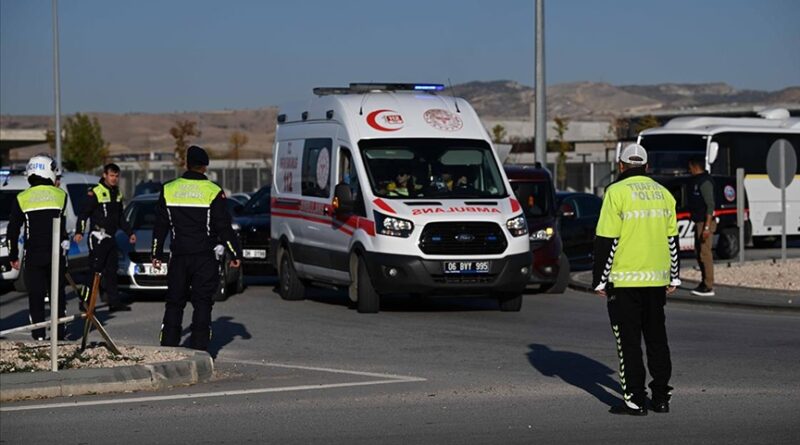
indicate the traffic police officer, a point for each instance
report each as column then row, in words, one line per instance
column 36, row 208
column 194, row 208
column 104, row 210
column 636, row 265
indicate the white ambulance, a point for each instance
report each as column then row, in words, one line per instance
column 393, row 189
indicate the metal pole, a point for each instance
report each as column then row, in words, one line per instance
column 740, row 210
column 57, row 84
column 540, row 132
column 54, row 269
column 591, row 177
column 782, row 152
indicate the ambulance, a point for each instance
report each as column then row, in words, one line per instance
column 393, row 189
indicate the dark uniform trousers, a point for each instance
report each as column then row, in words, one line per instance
column 194, row 278
column 37, row 281
column 104, row 257
column 635, row 312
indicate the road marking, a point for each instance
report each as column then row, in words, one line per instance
column 386, row 380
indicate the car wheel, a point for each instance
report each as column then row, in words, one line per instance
column 728, row 243
column 239, row 287
column 510, row 303
column 369, row 301
column 563, row 277
column 291, row 288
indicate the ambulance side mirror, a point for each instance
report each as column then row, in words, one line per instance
column 713, row 150
column 343, row 202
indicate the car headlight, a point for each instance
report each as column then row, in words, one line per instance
column 542, row 235
column 517, row 226
column 236, row 227
column 391, row 226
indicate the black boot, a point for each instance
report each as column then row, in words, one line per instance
column 625, row 409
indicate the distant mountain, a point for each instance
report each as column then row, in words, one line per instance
column 495, row 100
column 594, row 100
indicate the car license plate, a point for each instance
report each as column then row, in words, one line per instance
column 148, row 269
column 254, row 253
column 466, row 267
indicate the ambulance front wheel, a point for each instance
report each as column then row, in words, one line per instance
column 510, row 302
column 368, row 301
column 290, row 287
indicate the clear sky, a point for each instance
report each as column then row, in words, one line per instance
column 194, row 55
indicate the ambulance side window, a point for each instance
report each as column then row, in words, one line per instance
column 348, row 175
column 317, row 167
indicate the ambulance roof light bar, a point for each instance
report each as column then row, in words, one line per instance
column 361, row 88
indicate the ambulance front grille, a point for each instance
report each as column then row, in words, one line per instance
column 462, row 238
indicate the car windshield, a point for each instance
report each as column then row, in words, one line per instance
column 670, row 153
column 259, row 204
column 534, row 196
column 432, row 168
column 141, row 214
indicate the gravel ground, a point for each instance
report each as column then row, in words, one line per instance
column 761, row 274
column 32, row 356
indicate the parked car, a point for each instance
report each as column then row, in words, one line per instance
column 533, row 188
column 76, row 185
column 253, row 221
column 240, row 198
column 136, row 272
column 579, row 213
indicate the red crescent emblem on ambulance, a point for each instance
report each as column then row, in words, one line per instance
column 385, row 120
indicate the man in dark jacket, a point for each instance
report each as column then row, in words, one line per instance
column 104, row 211
column 194, row 209
column 35, row 208
column 701, row 207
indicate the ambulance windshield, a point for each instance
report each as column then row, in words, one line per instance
column 432, row 168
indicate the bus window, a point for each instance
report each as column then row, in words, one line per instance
column 670, row 153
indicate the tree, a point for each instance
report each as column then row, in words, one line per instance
column 646, row 122
column 561, row 126
column 182, row 130
column 83, row 147
column 235, row 144
column 498, row 133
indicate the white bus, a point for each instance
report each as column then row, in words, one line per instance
column 729, row 144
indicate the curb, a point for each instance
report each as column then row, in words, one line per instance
column 198, row 367
column 791, row 304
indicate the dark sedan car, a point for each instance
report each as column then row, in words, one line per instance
column 254, row 227
column 579, row 214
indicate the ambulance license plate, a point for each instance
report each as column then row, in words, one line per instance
column 466, row 267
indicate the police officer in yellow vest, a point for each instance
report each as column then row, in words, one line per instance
column 194, row 208
column 35, row 208
column 103, row 209
column 635, row 267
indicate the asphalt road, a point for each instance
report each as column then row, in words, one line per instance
column 434, row 371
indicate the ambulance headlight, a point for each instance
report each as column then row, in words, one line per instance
column 391, row 226
column 542, row 235
column 517, row 226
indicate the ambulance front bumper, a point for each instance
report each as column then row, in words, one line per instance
column 410, row 274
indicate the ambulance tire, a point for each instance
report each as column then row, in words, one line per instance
column 563, row 277
column 290, row 287
column 510, row 303
column 369, row 301
column 728, row 243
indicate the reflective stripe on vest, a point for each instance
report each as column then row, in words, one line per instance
column 183, row 192
column 41, row 197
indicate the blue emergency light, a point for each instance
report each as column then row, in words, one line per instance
column 429, row 87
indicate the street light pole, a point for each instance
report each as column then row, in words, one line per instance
column 57, row 85
column 540, row 132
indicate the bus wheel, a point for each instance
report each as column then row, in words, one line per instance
column 728, row 243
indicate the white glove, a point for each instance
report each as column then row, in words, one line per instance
column 219, row 250
column 65, row 245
